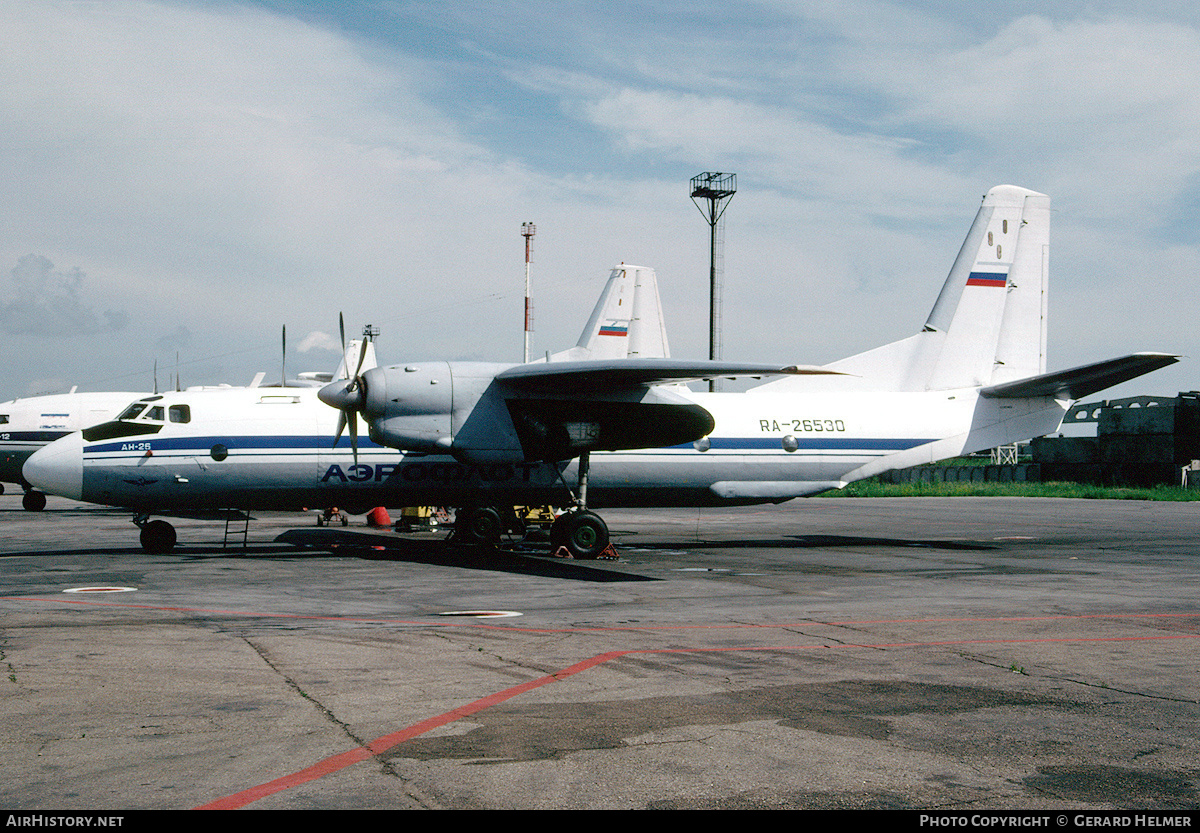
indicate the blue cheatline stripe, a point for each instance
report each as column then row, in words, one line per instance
column 233, row 443
column 297, row 443
column 814, row 443
column 33, row 436
column 310, row 444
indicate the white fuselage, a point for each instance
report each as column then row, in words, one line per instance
column 273, row 448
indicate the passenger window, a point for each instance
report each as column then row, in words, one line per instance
column 3, row 419
column 180, row 413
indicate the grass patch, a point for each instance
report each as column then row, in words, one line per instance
column 873, row 488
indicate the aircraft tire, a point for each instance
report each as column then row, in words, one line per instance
column 34, row 501
column 158, row 537
column 479, row 525
column 584, row 534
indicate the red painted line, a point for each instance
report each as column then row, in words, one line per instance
column 379, row 745
column 354, row 756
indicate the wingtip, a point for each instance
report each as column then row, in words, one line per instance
column 809, row 370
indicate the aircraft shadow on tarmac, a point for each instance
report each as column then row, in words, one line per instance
column 307, row 543
column 377, row 547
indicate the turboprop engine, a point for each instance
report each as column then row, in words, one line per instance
column 472, row 411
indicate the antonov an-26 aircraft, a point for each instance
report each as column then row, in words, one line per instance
column 587, row 432
column 198, row 452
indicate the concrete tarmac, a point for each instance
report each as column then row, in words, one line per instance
column 960, row 653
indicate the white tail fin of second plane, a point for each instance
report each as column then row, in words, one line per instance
column 350, row 359
column 627, row 321
column 988, row 325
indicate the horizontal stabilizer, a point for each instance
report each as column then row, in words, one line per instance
column 1081, row 381
column 563, row 377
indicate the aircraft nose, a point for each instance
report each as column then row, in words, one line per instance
column 57, row 468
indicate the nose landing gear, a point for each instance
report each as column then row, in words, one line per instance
column 157, row 537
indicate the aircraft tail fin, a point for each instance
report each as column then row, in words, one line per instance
column 627, row 321
column 350, row 359
column 988, row 325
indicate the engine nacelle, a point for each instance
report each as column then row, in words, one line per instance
column 462, row 409
column 441, row 407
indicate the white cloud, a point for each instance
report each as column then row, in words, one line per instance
column 48, row 302
column 317, row 340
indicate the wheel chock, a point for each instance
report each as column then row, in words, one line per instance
column 609, row 553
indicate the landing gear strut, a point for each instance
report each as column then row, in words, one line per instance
column 582, row 532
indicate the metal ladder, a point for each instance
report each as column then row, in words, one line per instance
column 232, row 517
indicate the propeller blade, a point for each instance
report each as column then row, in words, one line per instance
column 341, row 427
column 350, row 398
column 362, row 355
column 283, row 363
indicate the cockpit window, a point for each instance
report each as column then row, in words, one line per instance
column 133, row 410
column 155, row 413
column 3, row 419
column 116, row 430
column 180, row 413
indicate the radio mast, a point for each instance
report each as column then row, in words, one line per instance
column 528, row 230
column 717, row 189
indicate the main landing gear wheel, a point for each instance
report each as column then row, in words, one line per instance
column 158, row 537
column 583, row 533
column 34, row 501
column 478, row 525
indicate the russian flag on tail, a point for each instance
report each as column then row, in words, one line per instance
column 987, row 279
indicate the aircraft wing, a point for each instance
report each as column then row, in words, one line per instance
column 560, row 409
column 587, row 376
column 1079, row 382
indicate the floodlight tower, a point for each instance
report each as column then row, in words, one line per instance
column 528, row 230
column 716, row 189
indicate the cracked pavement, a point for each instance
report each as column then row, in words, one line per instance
column 925, row 653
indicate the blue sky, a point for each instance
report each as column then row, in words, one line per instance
column 185, row 178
